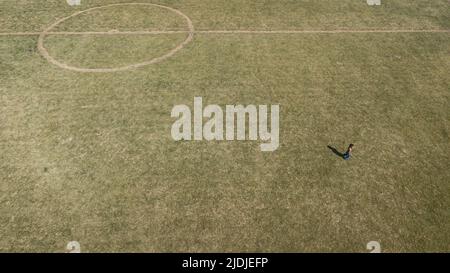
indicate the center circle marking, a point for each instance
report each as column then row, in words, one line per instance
column 44, row 52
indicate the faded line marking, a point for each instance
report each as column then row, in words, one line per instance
column 156, row 32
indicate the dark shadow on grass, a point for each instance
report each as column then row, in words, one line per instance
column 335, row 151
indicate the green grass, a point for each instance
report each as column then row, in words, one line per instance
column 89, row 157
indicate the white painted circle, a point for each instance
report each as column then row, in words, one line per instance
column 73, row 247
column 44, row 52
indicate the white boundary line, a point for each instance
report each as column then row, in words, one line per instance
column 156, row 32
column 320, row 31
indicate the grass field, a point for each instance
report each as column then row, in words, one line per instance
column 89, row 157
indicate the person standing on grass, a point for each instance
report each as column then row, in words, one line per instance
column 348, row 154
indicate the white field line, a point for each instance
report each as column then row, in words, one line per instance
column 227, row 32
column 319, row 31
column 90, row 33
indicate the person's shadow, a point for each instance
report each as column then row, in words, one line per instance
column 335, row 151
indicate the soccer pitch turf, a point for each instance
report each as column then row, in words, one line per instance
column 86, row 152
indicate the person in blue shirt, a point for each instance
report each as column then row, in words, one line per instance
column 348, row 154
